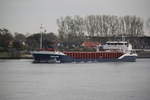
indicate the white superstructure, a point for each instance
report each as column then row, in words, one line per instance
column 118, row 45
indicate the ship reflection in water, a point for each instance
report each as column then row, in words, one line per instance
column 23, row 80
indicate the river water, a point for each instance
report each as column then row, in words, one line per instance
column 23, row 80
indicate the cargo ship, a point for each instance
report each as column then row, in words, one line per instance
column 112, row 51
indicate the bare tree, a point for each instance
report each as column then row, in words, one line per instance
column 100, row 25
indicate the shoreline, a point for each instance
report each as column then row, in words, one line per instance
column 1, row 58
column 16, row 58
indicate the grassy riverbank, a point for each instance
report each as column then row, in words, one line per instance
column 8, row 55
column 143, row 54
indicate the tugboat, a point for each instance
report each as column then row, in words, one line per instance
column 112, row 51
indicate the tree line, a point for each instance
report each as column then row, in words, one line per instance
column 73, row 30
column 11, row 42
column 99, row 25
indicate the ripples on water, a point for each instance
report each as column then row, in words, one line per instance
column 23, row 80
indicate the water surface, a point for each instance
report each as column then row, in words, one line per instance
column 23, row 80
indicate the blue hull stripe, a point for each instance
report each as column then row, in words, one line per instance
column 67, row 59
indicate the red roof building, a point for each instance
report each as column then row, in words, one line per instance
column 90, row 44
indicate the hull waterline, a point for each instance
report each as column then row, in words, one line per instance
column 53, row 58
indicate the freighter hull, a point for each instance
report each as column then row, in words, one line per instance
column 68, row 57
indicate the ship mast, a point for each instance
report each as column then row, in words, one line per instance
column 41, row 39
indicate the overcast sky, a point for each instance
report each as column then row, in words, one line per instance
column 27, row 15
